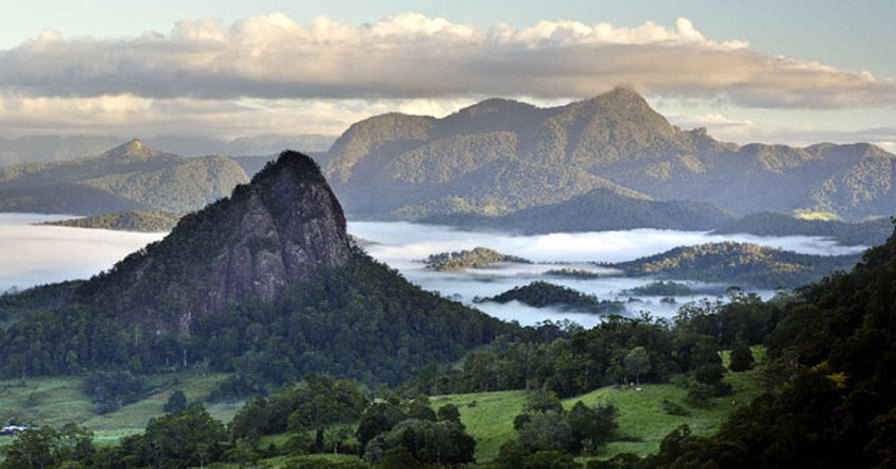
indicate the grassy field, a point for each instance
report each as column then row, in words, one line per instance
column 59, row 400
column 643, row 423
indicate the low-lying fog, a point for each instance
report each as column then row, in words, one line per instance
column 404, row 245
column 32, row 255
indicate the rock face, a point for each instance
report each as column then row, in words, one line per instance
column 283, row 227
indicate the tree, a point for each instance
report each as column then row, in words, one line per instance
column 741, row 359
column 592, row 427
column 177, row 402
column 637, row 362
column 186, row 438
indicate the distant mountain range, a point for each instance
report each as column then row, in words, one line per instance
column 132, row 176
column 49, row 148
column 500, row 156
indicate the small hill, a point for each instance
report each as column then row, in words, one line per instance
column 867, row 233
column 132, row 176
column 132, row 220
column 743, row 264
column 476, row 258
column 541, row 294
column 265, row 283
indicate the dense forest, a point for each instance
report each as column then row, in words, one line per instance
column 362, row 321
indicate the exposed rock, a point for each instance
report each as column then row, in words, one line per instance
column 282, row 228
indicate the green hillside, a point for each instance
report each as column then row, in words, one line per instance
column 129, row 177
column 742, row 264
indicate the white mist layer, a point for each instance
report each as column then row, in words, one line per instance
column 404, row 245
column 33, row 255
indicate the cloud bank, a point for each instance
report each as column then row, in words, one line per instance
column 411, row 56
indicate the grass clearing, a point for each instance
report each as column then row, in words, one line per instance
column 643, row 423
column 55, row 401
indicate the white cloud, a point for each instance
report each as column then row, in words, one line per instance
column 411, row 56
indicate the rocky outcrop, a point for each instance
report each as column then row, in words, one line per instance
column 283, row 227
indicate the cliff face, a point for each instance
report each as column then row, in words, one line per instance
column 284, row 227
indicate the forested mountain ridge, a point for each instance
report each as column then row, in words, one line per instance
column 264, row 283
column 132, row 176
column 499, row 156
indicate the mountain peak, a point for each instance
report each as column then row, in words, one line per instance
column 284, row 227
column 293, row 162
column 134, row 150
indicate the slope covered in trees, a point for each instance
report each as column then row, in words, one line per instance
column 830, row 401
column 742, row 264
column 129, row 177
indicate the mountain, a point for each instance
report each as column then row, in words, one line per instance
column 265, row 283
column 500, row 156
column 598, row 210
column 132, row 176
column 742, row 264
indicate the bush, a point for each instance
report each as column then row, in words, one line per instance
column 741, row 359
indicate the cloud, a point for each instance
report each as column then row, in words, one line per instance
column 411, row 56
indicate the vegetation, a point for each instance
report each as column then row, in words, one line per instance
column 476, row 258
column 146, row 221
column 130, row 177
column 739, row 264
column 598, row 210
column 661, row 288
column 573, row 273
column 868, row 233
column 348, row 322
column 498, row 157
column 541, row 294
column 15, row 305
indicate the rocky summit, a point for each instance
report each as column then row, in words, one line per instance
column 283, row 227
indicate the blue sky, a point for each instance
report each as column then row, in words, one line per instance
column 792, row 72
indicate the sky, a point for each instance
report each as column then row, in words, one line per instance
column 794, row 72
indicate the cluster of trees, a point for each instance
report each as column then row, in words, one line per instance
column 110, row 390
column 572, row 361
column 661, row 288
column 476, row 258
column 15, row 304
column 541, row 294
column 549, row 433
column 739, row 264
